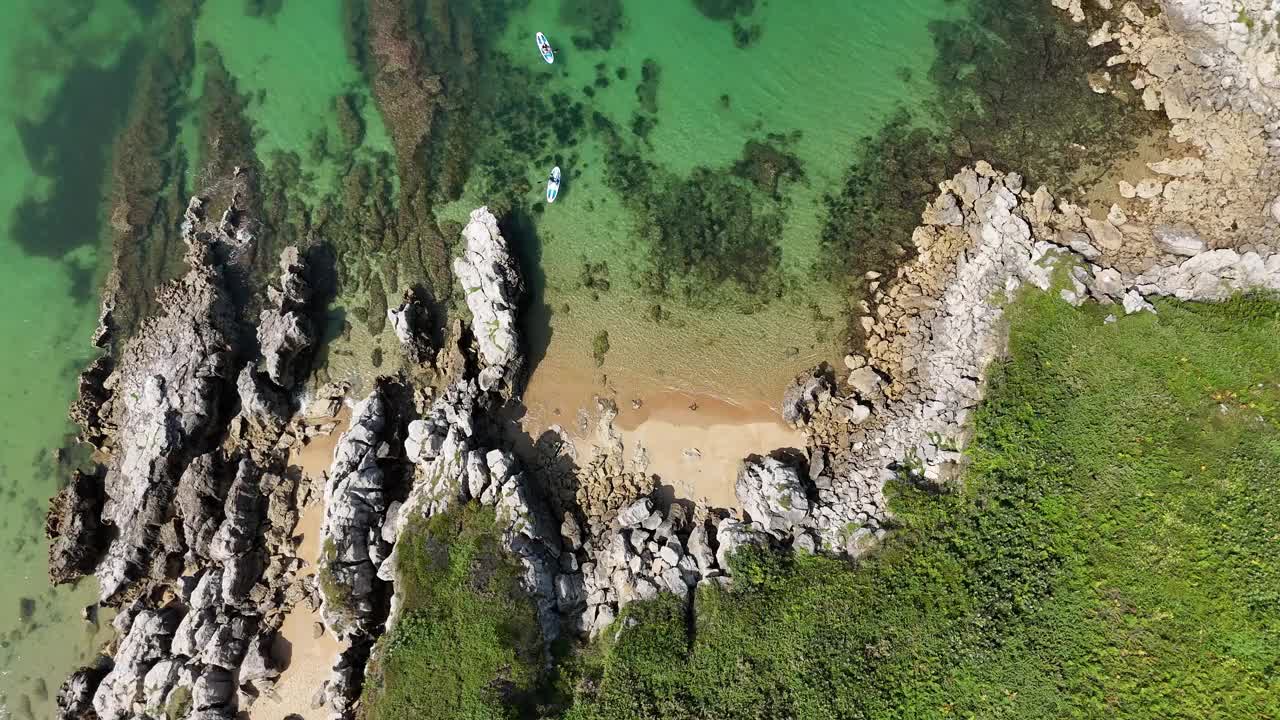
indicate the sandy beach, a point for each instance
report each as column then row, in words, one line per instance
column 308, row 658
column 694, row 442
column 699, row 452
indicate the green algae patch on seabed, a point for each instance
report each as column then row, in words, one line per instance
column 294, row 67
column 1111, row 554
column 64, row 70
column 722, row 301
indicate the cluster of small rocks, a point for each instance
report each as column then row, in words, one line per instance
column 643, row 552
column 598, row 491
column 1213, row 68
column 1211, row 275
column 844, row 510
column 630, row 547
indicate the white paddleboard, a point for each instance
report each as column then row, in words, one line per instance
column 553, row 184
column 544, row 47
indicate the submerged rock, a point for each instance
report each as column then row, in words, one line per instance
column 75, row 532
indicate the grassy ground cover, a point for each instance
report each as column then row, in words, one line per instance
column 468, row 643
column 1115, row 552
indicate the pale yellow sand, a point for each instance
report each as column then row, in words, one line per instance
column 699, row 452
column 694, row 442
column 309, row 659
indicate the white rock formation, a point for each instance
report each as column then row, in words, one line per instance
column 491, row 285
column 355, row 506
column 937, row 328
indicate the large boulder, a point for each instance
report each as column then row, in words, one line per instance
column 145, row 644
column 75, row 697
column 355, row 506
column 492, row 288
column 199, row 499
column 772, row 493
column 1178, row 240
column 262, row 405
column 801, row 398
column 74, row 530
column 285, row 330
column 411, row 323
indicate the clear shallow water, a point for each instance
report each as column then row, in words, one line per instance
column 55, row 64
column 822, row 73
column 291, row 64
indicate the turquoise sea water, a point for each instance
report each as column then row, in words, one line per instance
column 814, row 77
column 820, row 76
column 61, row 68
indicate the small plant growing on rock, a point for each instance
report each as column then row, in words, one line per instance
column 600, row 347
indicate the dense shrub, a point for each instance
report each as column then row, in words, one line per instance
column 1113, row 554
column 468, row 644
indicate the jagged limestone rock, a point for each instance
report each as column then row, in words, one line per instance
column 492, row 288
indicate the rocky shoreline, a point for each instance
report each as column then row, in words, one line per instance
column 189, row 526
column 194, row 511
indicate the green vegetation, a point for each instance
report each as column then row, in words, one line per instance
column 766, row 165
column 1244, row 18
column 725, row 9
column 594, row 277
column 1115, row 552
column 730, row 11
column 600, row 347
column 600, row 20
column 179, row 703
column 869, row 223
column 337, row 595
column 266, row 9
column 708, row 232
column 711, row 236
column 467, row 644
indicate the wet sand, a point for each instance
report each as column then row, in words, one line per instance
column 699, row 452
column 308, row 658
column 694, row 442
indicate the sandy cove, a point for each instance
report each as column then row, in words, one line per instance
column 693, row 442
column 306, row 658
